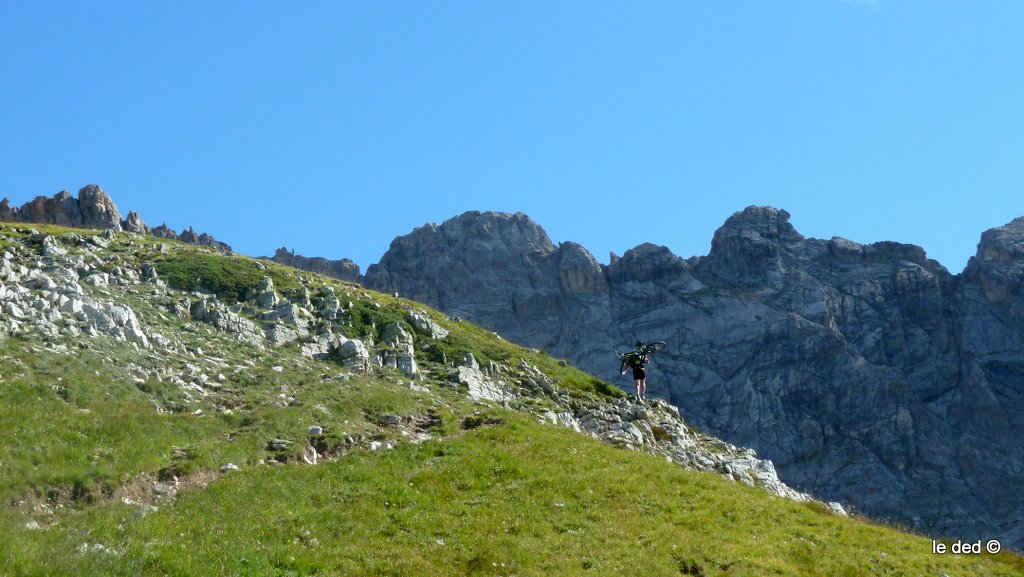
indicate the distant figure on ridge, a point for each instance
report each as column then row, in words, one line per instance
column 637, row 360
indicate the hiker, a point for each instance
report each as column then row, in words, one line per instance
column 636, row 360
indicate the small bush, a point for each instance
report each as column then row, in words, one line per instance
column 230, row 278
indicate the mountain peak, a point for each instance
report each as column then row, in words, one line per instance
column 750, row 245
column 1003, row 243
column 472, row 243
column 514, row 230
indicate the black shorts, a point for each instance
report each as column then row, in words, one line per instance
column 639, row 374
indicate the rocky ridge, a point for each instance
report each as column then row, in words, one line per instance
column 344, row 269
column 95, row 209
column 105, row 288
column 868, row 373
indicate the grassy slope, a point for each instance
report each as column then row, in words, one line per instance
column 78, row 437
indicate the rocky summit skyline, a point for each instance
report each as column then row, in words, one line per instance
column 93, row 208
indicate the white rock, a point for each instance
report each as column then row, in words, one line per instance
column 14, row 311
column 422, row 322
column 479, row 386
column 98, row 279
column 50, row 247
column 354, row 355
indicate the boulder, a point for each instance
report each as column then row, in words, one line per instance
column 479, row 386
column 354, row 355
column 290, row 314
column 394, row 335
column 264, row 296
column 278, row 335
column 49, row 246
column 322, row 346
column 424, row 325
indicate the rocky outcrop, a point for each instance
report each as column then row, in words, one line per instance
column 133, row 223
column 95, row 209
column 398, row 349
column 344, row 269
column 42, row 294
column 202, row 239
column 868, row 373
column 98, row 210
column 217, row 314
column 92, row 209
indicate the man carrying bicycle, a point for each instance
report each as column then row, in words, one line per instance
column 637, row 360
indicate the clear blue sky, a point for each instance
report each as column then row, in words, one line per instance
column 332, row 127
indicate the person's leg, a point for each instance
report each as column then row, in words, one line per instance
column 638, row 391
column 641, row 388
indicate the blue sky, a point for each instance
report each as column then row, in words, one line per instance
column 332, row 127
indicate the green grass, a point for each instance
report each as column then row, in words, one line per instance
column 230, row 278
column 72, row 427
column 513, row 499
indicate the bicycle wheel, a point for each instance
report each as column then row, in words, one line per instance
column 656, row 346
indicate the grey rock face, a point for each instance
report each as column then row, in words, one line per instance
column 395, row 335
column 278, row 335
column 290, row 314
column 501, row 271
column 479, row 386
column 202, row 239
column 868, row 373
column 323, row 346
